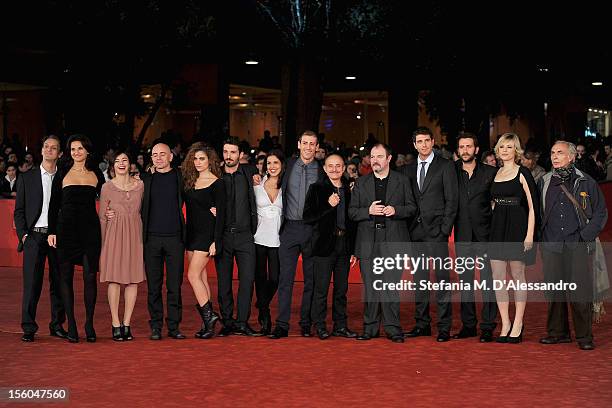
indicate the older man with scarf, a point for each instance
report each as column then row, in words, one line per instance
column 575, row 212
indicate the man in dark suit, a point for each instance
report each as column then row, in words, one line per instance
column 163, row 225
column 238, row 242
column 434, row 184
column 472, row 226
column 381, row 203
column 333, row 242
column 295, row 235
column 31, row 221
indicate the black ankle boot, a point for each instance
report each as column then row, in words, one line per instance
column 209, row 319
column 117, row 335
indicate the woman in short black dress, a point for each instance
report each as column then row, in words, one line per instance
column 74, row 228
column 513, row 225
column 204, row 190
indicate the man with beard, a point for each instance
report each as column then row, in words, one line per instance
column 238, row 242
column 574, row 214
column 381, row 203
column 472, row 226
column 434, row 185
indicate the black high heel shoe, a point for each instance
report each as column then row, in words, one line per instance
column 73, row 334
column 127, row 333
column 117, row 333
column 266, row 324
column 516, row 340
column 90, row 333
column 504, row 339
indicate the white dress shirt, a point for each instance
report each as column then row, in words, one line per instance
column 47, row 179
column 11, row 182
column 269, row 216
column 428, row 161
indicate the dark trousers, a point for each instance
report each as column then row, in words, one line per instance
column 443, row 296
column 237, row 245
column 379, row 304
column 90, row 293
column 338, row 263
column 473, row 250
column 571, row 265
column 168, row 250
column 266, row 276
column 35, row 252
column 295, row 239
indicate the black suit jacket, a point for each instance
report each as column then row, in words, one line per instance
column 399, row 196
column 248, row 172
column 285, row 181
column 318, row 212
column 437, row 204
column 28, row 203
column 474, row 209
column 147, row 178
column 5, row 187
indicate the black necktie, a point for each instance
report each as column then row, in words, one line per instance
column 422, row 176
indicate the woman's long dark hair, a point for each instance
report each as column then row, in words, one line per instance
column 281, row 157
column 67, row 160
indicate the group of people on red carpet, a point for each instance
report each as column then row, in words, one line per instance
column 308, row 207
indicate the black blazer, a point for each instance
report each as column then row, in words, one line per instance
column 147, row 178
column 285, row 181
column 248, row 172
column 474, row 209
column 28, row 203
column 399, row 196
column 437, row 204
column 5, row 187
column 318, row 212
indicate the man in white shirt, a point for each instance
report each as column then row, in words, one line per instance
column 31, row 221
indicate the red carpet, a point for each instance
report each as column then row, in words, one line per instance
column 238, row 371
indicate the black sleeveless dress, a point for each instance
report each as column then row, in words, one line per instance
column 78, row 226
column 202, row 226
column 510, row 218
column 74, row 219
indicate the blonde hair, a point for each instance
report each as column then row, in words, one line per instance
column 510, row 137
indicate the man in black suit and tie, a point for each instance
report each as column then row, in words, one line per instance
column 434, row 184
column 31, row 221
column 295, row 235
column 381, row 203
column 472, row 226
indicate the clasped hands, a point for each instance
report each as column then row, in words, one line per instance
column 378, row 209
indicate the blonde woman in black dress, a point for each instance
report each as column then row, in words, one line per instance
column 513, row 228
column 204, row 191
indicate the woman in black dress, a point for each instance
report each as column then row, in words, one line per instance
column 74, row 228
column 204, row 190
column 513, row 225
